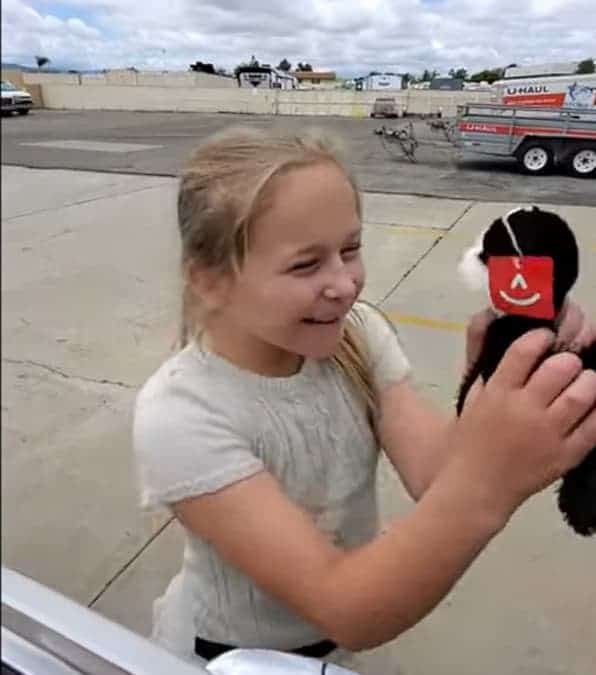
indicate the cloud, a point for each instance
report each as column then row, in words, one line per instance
column 351, row 36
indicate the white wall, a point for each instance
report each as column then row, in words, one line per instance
column 50, row 78
column 109, row 96
column 424, row 102
column 93, row 80
column 123, row 97
column 341, row 102
column 185, row 79
column 135, row 78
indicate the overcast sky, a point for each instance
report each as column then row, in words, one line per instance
column 350, row 36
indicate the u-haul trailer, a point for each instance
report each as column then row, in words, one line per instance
column 561, row 91
column 538, row 137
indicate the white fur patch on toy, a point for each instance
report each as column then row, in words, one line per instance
column 472, row 270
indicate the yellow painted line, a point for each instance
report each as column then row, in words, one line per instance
column 424, row 322
column 430, row 231
column 422, row 231
column 409, row 229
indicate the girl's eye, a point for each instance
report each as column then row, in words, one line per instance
column 351, row 251
column 304, row 265
column 311, row 264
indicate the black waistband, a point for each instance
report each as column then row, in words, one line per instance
column 210, row 650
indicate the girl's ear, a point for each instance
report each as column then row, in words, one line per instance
column 209, row 286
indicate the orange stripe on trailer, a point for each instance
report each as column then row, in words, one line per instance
column 526, row 131
column 546, row 100
column 504, row 129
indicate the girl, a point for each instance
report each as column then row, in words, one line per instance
column 263, row 434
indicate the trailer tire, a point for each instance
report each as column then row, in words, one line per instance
column 581, row 162
column 536, row 158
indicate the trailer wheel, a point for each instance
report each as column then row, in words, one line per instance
column 581, row 162
column 536, row 158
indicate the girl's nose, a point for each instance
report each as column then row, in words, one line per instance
column 341, row 287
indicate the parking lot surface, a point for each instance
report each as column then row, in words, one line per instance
column 158, row 143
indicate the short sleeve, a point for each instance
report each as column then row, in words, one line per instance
column 388, row 361
column 186, row 444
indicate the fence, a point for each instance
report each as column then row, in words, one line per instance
column 198, row 92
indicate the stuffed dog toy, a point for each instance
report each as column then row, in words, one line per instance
column 528, row 261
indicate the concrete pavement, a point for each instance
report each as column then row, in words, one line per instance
column 90, row 307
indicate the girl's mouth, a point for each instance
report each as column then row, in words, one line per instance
column 321, row 322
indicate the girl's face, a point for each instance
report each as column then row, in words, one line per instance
column 301, row 275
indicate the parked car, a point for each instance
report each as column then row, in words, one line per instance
column 385, row 107
column 15, row 99
column 45, row 633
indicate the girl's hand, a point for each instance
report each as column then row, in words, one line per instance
column 522, row 430
column 575, row 331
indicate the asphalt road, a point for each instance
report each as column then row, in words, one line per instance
column 158, row 144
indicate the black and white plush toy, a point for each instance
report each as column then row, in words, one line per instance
column 528, row 262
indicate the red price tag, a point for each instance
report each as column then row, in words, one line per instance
column 522, row 286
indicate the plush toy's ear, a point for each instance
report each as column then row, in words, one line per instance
column 472, row 269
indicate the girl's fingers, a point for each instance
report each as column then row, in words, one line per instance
column 582, row 439
column 553, row 376
column 575, row 403
column 474, row 392
column 520, row 359
column 475, row 332
column 584, row 338
column 570, row 324
column 576, row 330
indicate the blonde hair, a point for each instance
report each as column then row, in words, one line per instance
column 224, row 187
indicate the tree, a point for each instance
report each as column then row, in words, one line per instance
column 585, row 67
column 284, row 65
column 429, row 75
column 200, row 67
column 459, row 74
column 489, row 76
column 304, row 67
column 253, row 63
column 42, row 61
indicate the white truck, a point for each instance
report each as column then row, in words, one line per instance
column 15, row 99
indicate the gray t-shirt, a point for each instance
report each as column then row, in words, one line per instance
column 201, row 424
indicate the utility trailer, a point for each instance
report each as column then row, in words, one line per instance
column 537, row 137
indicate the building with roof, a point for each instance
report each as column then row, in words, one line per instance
column 316, row 79
column 376, row 81
column 446, row 84
column 265, row 77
